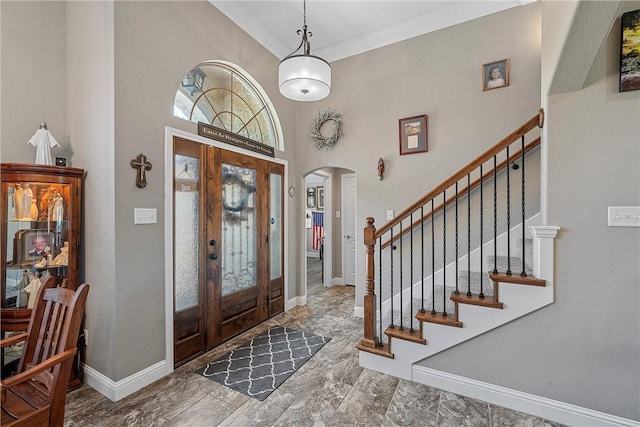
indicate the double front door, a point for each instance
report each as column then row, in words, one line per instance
column 228, row 245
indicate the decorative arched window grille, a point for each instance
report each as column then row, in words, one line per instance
column 225, row 96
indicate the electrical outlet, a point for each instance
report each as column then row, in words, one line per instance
column 623, row 216
column 86, row 338
column 145, row 216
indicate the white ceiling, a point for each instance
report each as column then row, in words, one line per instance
column 345, row 28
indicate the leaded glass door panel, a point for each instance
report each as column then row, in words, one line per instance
column 188, row 259
column 237, row 230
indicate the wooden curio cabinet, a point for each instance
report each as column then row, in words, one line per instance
column 40, row 220
column 40, row 234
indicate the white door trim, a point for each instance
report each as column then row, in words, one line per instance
column 343, row 222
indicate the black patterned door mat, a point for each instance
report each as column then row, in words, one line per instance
column 259, row 366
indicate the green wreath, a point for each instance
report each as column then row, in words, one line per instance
column 316, row 136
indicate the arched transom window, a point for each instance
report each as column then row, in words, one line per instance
column 223, row 95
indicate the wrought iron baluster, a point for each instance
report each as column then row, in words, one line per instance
column 444, row 253
column 523, row 273
column 380, row 299
column 401, row 282
column 468, row 234
column 508, row 215
column 422, row 256
column 393, row 248
column 411, row 272
column 495, row 216
column 481, row 236
column 457, row 253
column 433, row 264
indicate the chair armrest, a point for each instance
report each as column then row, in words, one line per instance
column 13, row 340
column 35, row 370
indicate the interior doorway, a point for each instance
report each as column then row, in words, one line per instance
column 324, row 223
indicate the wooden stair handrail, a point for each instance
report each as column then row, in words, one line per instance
column 537, row 120
column 533, row 144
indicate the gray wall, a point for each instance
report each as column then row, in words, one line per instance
column 33, row 76
column 584, row 349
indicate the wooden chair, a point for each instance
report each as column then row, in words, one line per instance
column 36, row 395
column 13, row 320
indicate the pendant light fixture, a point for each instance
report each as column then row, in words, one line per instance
column 302, row 76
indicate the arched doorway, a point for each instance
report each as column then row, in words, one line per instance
column 324, row 204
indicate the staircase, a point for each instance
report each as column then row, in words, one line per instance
column 428, row 290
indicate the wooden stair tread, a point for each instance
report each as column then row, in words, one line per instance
column 475, row 299
column 383, row 350
column 517, row 279
column 438, row 318
column 405, row 334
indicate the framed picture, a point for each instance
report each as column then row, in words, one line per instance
column 630, row 51
column 320, row 198
column 33, row 245
column 495, row 74
column 413, row 134
column 311, row 197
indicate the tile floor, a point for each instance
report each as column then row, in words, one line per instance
column 329, row 390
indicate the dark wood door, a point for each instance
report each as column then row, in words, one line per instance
column 236, row 249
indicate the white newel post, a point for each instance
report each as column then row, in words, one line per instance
column 543, row 245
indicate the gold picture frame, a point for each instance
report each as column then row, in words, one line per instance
column 495, row 75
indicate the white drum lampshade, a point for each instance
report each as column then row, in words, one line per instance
column 304, row 78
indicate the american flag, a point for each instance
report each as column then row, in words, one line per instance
column 317, row 232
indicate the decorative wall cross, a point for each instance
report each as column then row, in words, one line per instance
column 143, row 166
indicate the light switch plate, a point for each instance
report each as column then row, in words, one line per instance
column 145, row 216
column 623, row 216
column 390, row 214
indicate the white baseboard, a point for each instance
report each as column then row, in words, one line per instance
column 358, row 312
column 116, row 390
column 542, row 407
column 337, row 281
column 294, row 302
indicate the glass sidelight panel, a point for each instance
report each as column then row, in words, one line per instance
column 239, row 246
column 186, row 221
column 275, row 226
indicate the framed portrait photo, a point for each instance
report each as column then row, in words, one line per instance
column 413, row 134
column 495, row 74
column 630, row 51
column 33, row 245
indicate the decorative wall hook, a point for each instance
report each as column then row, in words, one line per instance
column 143, row 166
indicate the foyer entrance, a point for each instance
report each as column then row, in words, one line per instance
column 228, row 245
